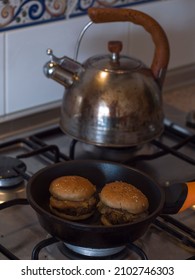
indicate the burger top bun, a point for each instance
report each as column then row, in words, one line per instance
column 73, row 188
column 124, row 196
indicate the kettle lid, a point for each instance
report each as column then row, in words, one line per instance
column 114, row 62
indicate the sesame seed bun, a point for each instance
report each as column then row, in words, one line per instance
column 74, row 188
column 124, row 196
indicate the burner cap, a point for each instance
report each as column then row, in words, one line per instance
column 82, row 253
column 9, row 177
column 91, row 252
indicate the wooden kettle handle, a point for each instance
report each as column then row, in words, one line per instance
column 161, row 54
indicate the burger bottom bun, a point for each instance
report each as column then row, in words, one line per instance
column 69, row 217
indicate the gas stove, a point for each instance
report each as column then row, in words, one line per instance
column 168, row 159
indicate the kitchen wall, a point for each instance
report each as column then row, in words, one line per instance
column 25, row 89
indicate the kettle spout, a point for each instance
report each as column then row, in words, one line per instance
column 63, row 70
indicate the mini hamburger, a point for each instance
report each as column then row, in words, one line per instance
column 121, row 203
column 72, row 197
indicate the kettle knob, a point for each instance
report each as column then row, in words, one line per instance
column 115, row 47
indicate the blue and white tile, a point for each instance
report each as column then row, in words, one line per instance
column 16, row 14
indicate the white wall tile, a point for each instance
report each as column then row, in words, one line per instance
column 2, row 74
column 178, row 20
column 26, row 84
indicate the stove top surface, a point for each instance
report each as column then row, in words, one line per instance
column 169, row 159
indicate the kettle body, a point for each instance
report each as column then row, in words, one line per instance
column 113, row 108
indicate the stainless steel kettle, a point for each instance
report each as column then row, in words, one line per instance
column 113, row 100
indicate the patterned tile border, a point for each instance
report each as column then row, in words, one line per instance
column 22, row 13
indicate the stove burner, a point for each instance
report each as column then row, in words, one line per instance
column 115, row 253
column 9, row 177
column 91, row 252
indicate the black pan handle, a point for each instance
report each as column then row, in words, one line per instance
column 179, row 197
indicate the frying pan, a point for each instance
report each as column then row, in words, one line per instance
column 90, row 233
